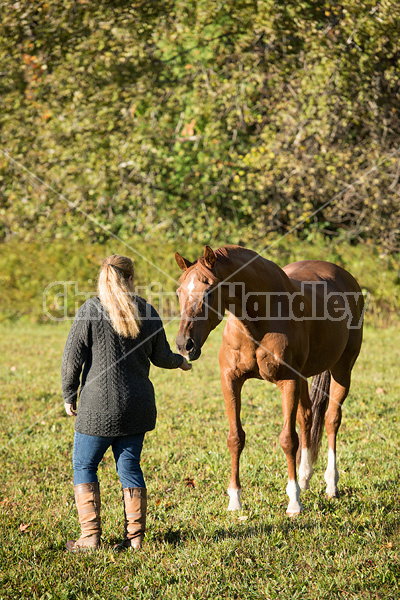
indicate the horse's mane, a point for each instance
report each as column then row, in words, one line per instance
column 224, row 256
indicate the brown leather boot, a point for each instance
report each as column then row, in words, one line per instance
column 87, row 498
column 135, row 504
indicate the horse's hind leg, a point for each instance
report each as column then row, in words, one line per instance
column 339, row 388
column 304, row 418
column 290, row 390
column 231, row 390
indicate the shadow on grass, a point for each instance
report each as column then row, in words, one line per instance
column 175, row 537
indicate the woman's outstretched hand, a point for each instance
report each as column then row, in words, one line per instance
column 69, row 409
column 185, row 366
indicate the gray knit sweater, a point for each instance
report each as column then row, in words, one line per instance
column 116, row 396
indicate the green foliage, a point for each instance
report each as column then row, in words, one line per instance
column 29, row 272
column 346, row 549
column 199, row 118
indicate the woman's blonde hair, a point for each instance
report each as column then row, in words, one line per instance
column 116, row 295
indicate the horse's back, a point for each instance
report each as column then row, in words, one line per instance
column 321, row 270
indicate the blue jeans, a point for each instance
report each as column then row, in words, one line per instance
column 90, row 449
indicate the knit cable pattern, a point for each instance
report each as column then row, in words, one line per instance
column 116, row 395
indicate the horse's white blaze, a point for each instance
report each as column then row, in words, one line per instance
column 306, row 469
column 234, row 499
column 190, row 286
column 331, row 475
column 293, row 491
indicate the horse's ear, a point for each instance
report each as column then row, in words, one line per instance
column 182, row 263
column 209, row 257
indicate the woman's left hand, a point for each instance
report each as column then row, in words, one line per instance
column 69, row 409
column 185, row 366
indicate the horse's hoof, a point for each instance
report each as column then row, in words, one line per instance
column 294, row 509
column 332, row 494
column 294, row 513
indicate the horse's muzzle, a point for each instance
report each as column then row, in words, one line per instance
column 188, row 347
column 194, row 354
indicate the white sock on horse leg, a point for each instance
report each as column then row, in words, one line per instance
column 293, row 491
column 306, row 469
column 234, row 499
column 331, row 475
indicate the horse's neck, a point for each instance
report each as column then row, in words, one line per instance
column 247, row 279
column 256, row 273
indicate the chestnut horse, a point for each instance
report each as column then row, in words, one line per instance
column 284, row 325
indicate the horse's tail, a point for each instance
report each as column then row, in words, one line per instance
column 319, row 395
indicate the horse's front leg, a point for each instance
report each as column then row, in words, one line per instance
column 231, row 390
column 290, row 391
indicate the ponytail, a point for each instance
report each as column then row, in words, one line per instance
column 116, row 295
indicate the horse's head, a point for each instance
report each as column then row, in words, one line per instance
column 199, row 302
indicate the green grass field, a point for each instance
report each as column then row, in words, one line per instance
column 347, row 548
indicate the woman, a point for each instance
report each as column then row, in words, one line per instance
column 113, row 338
